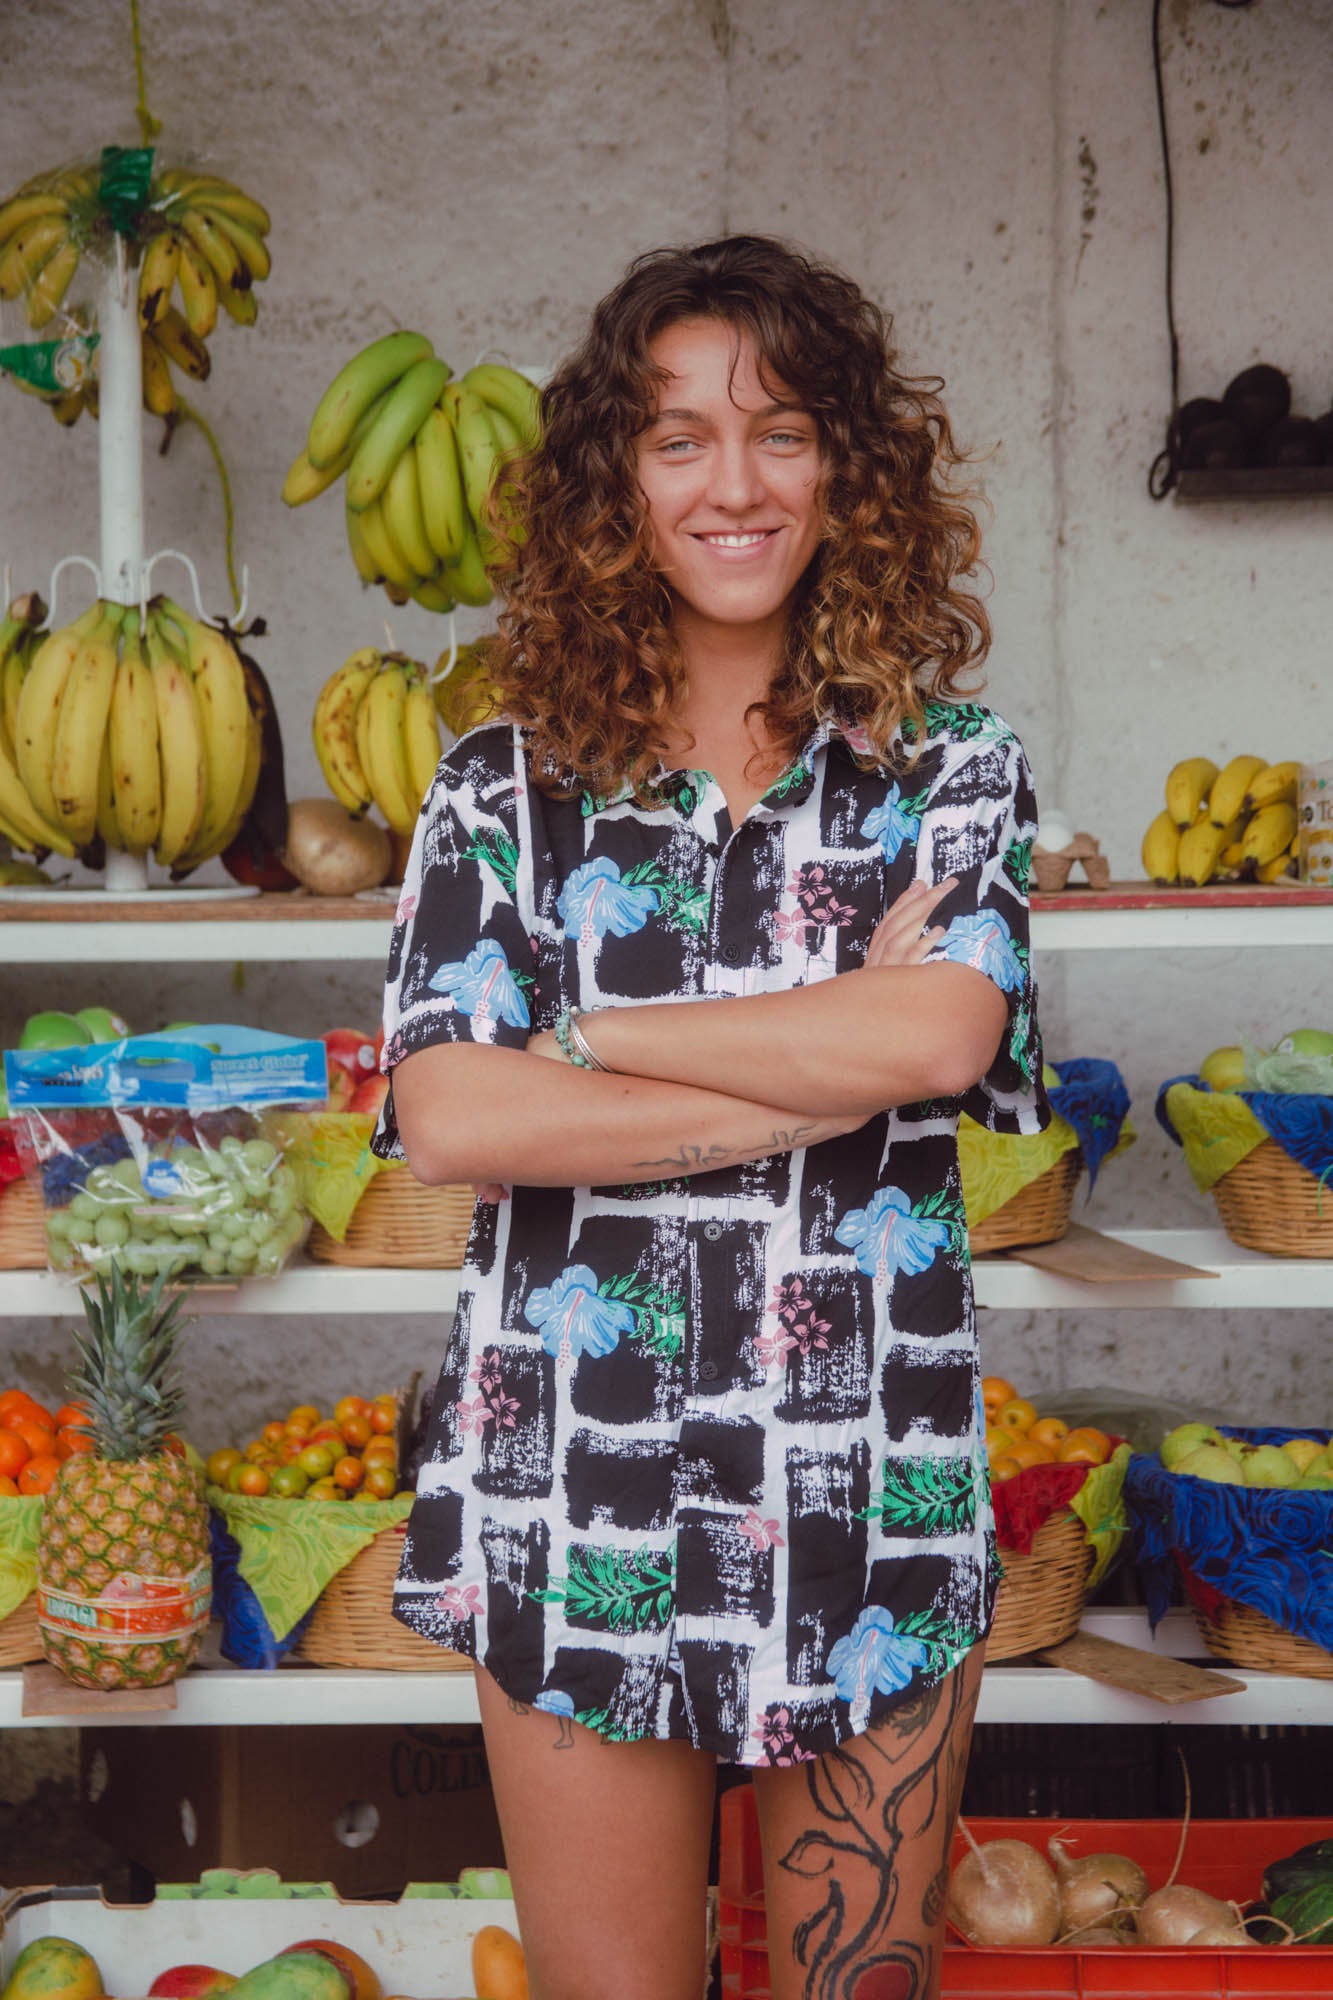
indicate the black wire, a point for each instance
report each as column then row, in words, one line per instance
column 1162, row 471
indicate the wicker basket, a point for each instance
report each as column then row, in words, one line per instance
column 401, row 1223
column 1270, row 1202
column 353, row 1625
column 1041, row 1594
column 1038, row 1213
column 20, row 1635
column 1245, row 1638
column 22, row 1228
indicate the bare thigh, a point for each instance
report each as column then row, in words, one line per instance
column 607, row 1848
column 856, row 1852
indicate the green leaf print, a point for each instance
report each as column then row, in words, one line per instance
column 600, row 1720
column 616, row 1590
column 928, row 1496
column 941, row 1205
column 1018, row 864
column 965, row 721
column 790, row 779
column 679, row 903
column 946, row 1638
column 659, row 1315
column 499, row 853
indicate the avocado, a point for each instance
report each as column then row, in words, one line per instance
column 1215, row 446
column 1258, row 398
column 1293, row 441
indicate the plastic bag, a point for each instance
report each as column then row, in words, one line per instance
column 165, row 1151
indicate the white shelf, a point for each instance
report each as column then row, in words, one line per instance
column 1244, row 1278
column 1264, row 927
column 1011, row 1692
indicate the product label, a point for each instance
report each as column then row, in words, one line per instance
column 1315, row 831
column 132, row 1607
column 50, row 366
column 161, row 1178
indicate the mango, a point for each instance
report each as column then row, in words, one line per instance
column 295, row 1975
column 54, row 1968
column 499, row 1969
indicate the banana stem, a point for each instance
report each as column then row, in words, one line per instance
column 149, row 127
column 189, row 412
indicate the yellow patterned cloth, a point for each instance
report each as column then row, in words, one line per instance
column 1100, row 1505
column 290, row 1549
column 20, row 1527
column 330, row 1151
column 996, row 1166
column 1217, row 1130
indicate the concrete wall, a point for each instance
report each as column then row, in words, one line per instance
column 988, row 171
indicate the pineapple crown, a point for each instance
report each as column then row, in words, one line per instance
column 125, row 1374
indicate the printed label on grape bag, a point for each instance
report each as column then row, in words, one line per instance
column 132, row 1607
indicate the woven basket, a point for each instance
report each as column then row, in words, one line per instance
column 1041, row 1594
column 403, row 1224
column 1038, row 1213
column 1245, row 1638
column 20, row 1635
column 353, row 1625
column 1270, row 1202
column 22, row 1228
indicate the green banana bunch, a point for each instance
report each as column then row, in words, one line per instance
column 377, row 735
column 423, row 457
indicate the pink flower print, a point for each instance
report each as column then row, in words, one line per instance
column 805, row 1329
column 406, row 909
column 857, row 738
column 772, row 1349
column 818, row 908
column 486, row 1372
column 504, row 1409
column 461, row 1600
column 773, row 1731
column 475, row 1416
column 790, row 926
column 764, row 1534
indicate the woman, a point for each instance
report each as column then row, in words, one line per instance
column 706, row 1479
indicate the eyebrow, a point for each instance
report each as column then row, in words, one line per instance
column 696, row 417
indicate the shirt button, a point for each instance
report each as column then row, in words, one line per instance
column 713, row 1231
column 708, row 1370
column 730, row 954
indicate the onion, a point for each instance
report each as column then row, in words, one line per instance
column 1003, row 1894
column 1095, row 1885
column 1096, row 1934
column 1172, row 1916
column 1221, row 1937
column 332, row 853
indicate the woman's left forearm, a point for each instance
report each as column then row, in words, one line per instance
column 859, row 1042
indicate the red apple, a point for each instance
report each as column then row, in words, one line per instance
column 362, row 1983
column 190, row 1982
column 351, row 1059
column 369, row 1096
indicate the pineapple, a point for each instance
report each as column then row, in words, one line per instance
column 123, row 1570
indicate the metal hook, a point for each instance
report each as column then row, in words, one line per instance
column 444, row 667
column 180, row 556
column 64, row 563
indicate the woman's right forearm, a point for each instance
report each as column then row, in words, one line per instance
column 483, row 1114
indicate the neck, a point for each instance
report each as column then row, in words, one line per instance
column 727, row 669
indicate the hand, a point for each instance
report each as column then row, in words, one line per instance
column 491, row 1191
column 901, row 936
column 545, row 1044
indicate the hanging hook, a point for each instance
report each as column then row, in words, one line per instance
column 64, row 563
column 238, row 617
column 443, row 667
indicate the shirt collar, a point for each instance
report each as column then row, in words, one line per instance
column 792, row 787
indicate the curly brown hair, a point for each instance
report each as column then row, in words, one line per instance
column 585, row 656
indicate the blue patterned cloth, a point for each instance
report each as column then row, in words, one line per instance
column 1300, row 1121
column 247, row 1639
column 1093, row 1099
column 1265, row 1546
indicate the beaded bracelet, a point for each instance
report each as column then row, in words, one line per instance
column 573, row 1043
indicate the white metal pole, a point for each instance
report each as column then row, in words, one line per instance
column 120, row 474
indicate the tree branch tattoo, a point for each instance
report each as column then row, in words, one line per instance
column 694, row 1159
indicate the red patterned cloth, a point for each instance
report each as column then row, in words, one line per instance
column 1209, row 1601
column 1026, row 1502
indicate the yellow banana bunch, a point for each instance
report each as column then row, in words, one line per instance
column 1236, row 821
column 44, row 228
column 377, row 735
column 423, row 458
column 208, row 240
column 21, row 822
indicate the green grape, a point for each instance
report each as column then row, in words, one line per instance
column 126, row 1174
column 213, row 1262
column 185, row 1221
column 255, row 1185
column 230, row 1146
column 137, row 1257
column 259, row 1154
column 233, row 1226
column 111, row 1231
column 62, row 1255
column 280, row 1204
column 84, row 1208
column 262, row 1227
column 60, row 1225
column 243, row 1250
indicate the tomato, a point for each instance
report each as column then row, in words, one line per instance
column 72, row 1440
column 39, row 1474
column 288, row 1483
column 356, row 1432
column 257, row 1449
column 252, row 1479
column 381, row 1481
column 327, row 1433
column 317, row 1461
column 324, row 1489
column 14, row 1454
column 348, row 1473
column 383, row 1417
column 305, row 1414
column 350, row 1406
column 274, row 1433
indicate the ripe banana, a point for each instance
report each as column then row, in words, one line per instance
column 80, row 731
column 1269, row 833
column 517, row 399
column 1161, row 848
column 22, row 209
column 157, row 274
column 47, row 293
column 172, row 333
column 421, row 734
column 1275, row 785
column 219, row 688
column 385, row 758
column 108, row 826
column 1199, row 852
column 366, row 567
column 250, row 248
column 393, row 430
column 218, row 251
column 1187, row 787
column 39, row 708
column 23, row 825
column 401, row 506
column 199, row 291
column 357, row 385
column 159, row 391
column 334, row 728
column 132, row 743
column 180, row 737
column 239, row 303
column 1227, row 796
column 1273, row 871
column 26, row 252
column 443, row 506
column 211, row 191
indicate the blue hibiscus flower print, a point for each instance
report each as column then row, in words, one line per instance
column 984, row 941
column 888, row 1238
column 890, row 825
column 594, row 901
column 873, row 1658
column 483, row 987
column 554, row 1701
column 573, row 1317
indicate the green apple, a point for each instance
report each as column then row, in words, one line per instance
column 1318, row 1474
column 1224, row 1068
column 1305, row 1042
column 1050, row 1076
column 1269, row 1465
column 1185, row 1438
column 102, row 1024
column 1208, row 1461
column 1303, row 1451
column 53, row 1030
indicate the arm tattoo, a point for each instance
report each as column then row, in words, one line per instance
column 692, row 1159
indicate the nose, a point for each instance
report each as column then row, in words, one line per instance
column 735, row 482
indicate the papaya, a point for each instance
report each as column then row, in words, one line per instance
column 53, row 1968
column 499, row 1969
column 293, row 1975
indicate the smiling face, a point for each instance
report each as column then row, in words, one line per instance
column 730, row 471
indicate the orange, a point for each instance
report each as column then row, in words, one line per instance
column 252, row 1479
column 305, row 1414
column 1028, row 1453
column 1084, row 1446
column 9, row 1491
column 71, row 1416
column 1048, row 1430
column 14, row 1454
column 381, row 1482
column 18, row 1403
column 72, row 1440
column 383, row 1416
column 356, row 1432
column 995, row 1392
column 1017, row 1414
column 349, row 1473
column 350, row 1406
column 39, row 1438
column 38, row 1475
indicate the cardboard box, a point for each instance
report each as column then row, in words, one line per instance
column 416, row 1947
column 366, row 1809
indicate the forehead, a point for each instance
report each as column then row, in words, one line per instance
column 708, row 361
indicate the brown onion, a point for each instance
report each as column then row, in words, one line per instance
column 1095, row 1885
column 1004, row 1894
column 1221, row 1937
column 1172, row 1916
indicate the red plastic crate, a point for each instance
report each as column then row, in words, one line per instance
column 1226, row 1857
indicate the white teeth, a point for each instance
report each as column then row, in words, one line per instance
column 735, row 541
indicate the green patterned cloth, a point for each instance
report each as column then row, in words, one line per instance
column 1217, row 1130
column 1100, row 1505
column 290, row 1549
column 20, row 1527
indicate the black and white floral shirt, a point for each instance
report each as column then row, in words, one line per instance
column 707, row 1457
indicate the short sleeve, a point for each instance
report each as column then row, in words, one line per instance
column 461, row 957
column 978, row 822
